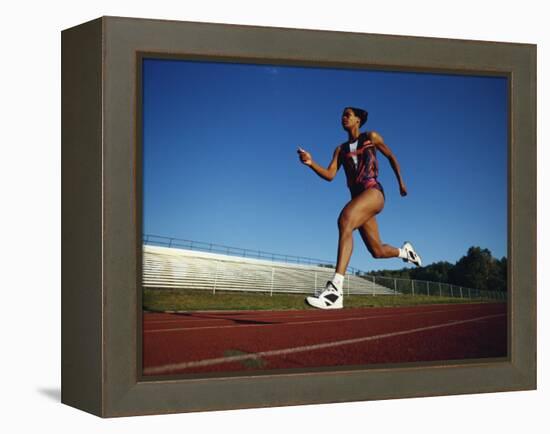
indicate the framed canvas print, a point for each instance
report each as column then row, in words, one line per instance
column 207, row 262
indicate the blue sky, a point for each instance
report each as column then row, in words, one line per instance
column 220, row 162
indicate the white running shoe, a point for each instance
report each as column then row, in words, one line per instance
column 412, row 256
column 329, row 298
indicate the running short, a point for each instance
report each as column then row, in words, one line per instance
column 359, row 188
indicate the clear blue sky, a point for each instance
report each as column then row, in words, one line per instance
column 220, row 162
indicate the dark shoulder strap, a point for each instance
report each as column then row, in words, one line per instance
column 344, row 149
column 363, row 137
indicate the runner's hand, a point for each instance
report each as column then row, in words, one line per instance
column 305, row 157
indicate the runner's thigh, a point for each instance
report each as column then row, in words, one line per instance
column 362, row 208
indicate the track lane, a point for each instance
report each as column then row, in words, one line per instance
column 205, row 336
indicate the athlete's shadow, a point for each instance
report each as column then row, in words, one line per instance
column 228, row 317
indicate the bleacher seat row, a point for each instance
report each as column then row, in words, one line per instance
column 166, row 267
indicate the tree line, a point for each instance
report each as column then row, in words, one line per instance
column 477, row 269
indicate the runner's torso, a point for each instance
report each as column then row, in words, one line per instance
column 360, row 164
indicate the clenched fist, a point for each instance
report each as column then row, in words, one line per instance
column 305, row 157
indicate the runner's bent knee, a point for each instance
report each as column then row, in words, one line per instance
column 344, row 222
column 348, row 221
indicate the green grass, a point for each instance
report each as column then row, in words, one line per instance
column 189, row 300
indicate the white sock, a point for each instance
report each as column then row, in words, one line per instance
column 338, row 281
column 402, row 253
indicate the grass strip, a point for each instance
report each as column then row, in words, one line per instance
column 161, row 300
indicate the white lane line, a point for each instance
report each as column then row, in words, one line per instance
column 208, row 362
column 267, row 323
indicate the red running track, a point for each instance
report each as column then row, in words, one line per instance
column 203, row 342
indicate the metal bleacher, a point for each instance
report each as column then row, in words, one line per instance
column 168, row 267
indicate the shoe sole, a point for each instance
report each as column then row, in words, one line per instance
column 337, row 305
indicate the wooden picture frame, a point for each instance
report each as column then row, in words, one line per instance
column 101, row 220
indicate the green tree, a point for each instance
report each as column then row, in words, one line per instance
column 473, row 270
column 436, row 272
column 498, row 275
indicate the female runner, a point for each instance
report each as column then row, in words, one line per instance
column 358, row 156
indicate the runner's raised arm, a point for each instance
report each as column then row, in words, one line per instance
column 327, row 174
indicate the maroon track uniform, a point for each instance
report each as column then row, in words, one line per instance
column 361, row 175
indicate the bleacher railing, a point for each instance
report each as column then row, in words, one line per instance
column 158, row 240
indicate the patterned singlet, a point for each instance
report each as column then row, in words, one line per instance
column 361, row 175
